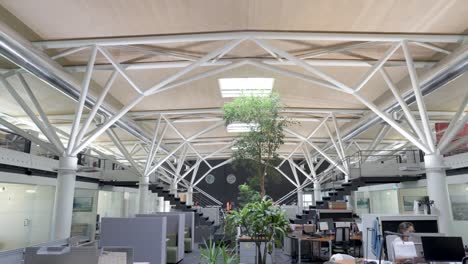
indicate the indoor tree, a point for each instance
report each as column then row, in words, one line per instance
column 247, row 195
column 261, row 142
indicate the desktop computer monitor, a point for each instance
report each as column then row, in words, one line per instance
column 443, row 248
column 330, row 223
column 323, row 226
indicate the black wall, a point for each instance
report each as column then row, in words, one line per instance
column 224, row 192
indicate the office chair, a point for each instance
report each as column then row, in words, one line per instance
column 342, row 241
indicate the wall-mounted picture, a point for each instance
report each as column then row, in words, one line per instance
column 408, row 202
column 83, row 204
column 459, row 207
column 362, row 203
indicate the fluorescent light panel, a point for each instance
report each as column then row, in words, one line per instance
column 241, row 127
column 235, row 87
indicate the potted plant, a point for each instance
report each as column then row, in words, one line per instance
column 259, row 145
column 264, row 222
column 214, row 254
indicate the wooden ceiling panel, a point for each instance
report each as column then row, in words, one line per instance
column 370, row 16
column 57, row 19
column 52, row 101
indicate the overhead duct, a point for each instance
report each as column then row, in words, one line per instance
column 22, row 53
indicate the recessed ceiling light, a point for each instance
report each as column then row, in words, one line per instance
column 235, row 87
column 241, row 127
column 2, row 189
column 31, row 191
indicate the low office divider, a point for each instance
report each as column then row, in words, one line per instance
column 57, row 255
column 175, row 234
column 15, row 256
column 189, row 226
column 146, row 235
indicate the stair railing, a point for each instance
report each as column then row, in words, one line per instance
column 214, row 200
column 282, row 199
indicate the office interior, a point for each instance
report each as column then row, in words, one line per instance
column 115, row 147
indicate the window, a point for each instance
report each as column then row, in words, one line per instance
column 307, row 200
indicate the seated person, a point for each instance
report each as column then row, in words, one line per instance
column 405, row 229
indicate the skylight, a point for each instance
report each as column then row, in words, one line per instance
column 241, row 127
column 235, row 87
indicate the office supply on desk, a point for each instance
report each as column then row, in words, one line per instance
column 443, row 248
column 309, row 229
column 316, row 235
column 404, row 250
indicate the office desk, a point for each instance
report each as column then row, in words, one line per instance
column 354, row 242
column 325, row 239
column 328, row 239
column 247, row 253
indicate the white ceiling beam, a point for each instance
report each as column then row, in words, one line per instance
column 227, row 61
column 197, row 37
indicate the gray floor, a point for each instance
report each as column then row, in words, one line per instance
column 280, row 258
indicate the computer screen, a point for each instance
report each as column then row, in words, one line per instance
column 323, row 226
column 331, row 224
column 443, row 248
column 421, row 226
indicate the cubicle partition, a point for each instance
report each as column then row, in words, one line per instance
column 189, row 223
column 175, row 225
column 146, row 235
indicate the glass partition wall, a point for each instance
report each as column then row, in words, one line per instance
column 25, row 214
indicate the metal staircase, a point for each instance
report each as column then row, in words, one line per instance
column 177, row 204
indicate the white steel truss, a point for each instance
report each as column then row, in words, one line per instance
column 80, row 136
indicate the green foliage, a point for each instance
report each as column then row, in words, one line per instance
column 247, row 195
column 262, row 221
column 250, row 167
column 262, row 142
column 212, row 254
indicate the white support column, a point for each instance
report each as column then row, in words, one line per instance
column 438, row 191
column 63, row 202
column 189, row 197
column 300, row 200
column 173, row 187
column 126, row 205
column 143, row 192
column 317, row 192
